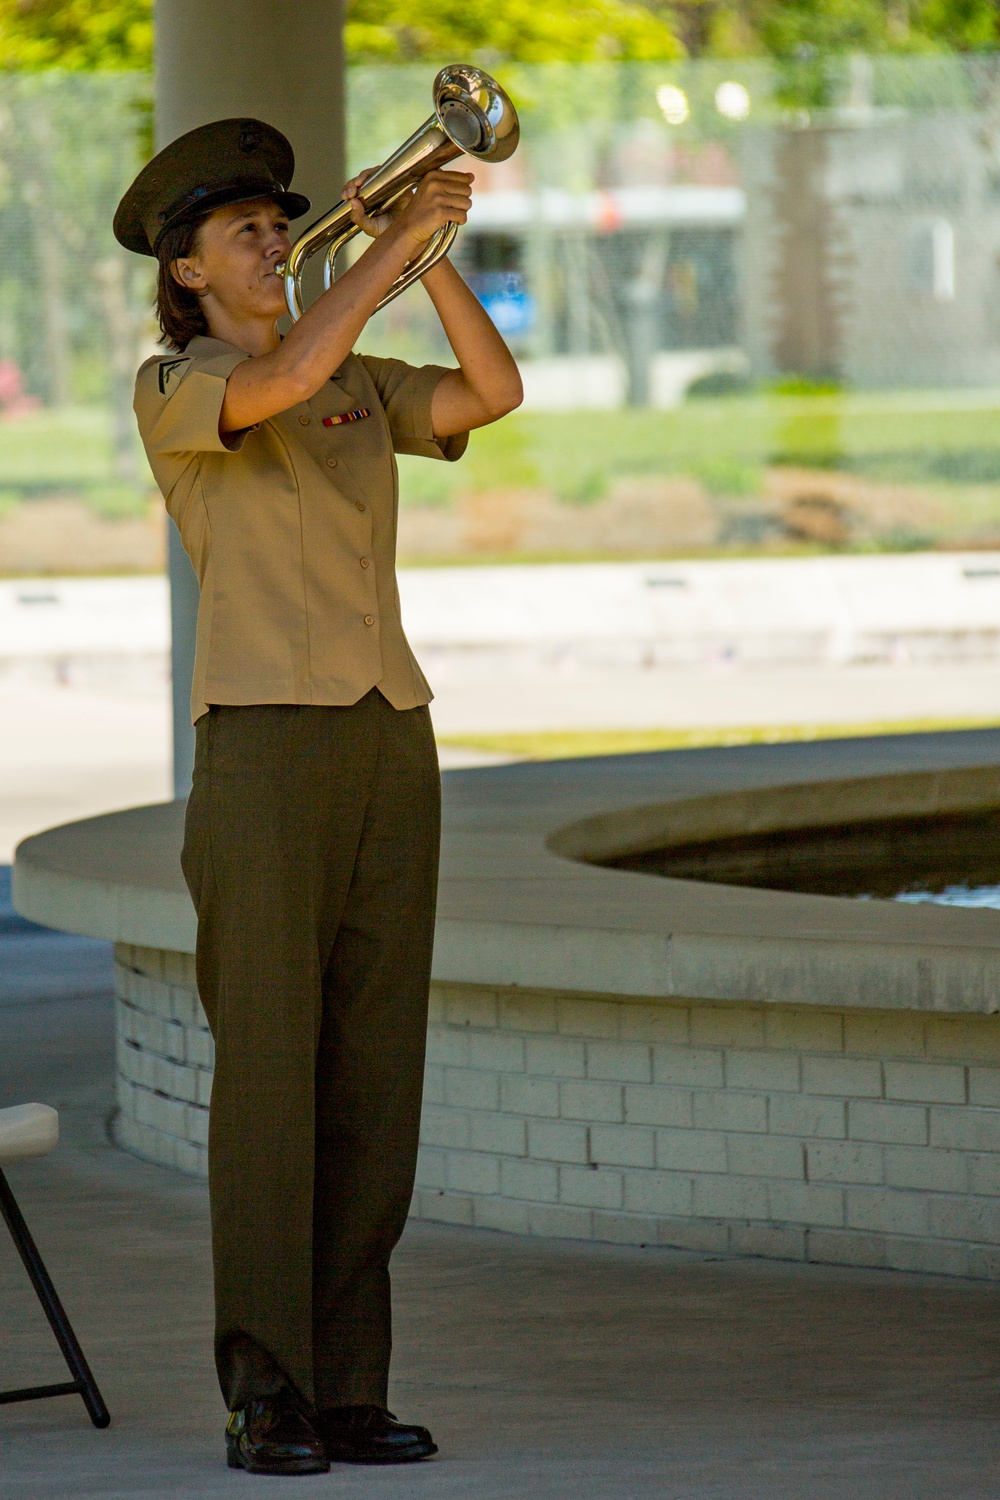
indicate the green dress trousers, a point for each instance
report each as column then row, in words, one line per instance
column 311, row 854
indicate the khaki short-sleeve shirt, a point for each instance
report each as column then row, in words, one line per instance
column 291, row 526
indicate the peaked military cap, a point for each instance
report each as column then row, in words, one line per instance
column 227, row 161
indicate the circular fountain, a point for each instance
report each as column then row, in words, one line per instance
column 728, row 1057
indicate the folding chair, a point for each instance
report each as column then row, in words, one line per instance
column 32, row 1130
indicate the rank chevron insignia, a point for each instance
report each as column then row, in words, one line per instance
column 168, row 370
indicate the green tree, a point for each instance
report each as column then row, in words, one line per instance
column 76, row 34
column 92, row 34
column 797, row 28
column 102, row 34
column 966, row 25
column 515, row 30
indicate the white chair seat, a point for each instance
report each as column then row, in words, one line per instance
column 27, row 1130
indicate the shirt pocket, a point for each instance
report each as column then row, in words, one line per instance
column 358, row 450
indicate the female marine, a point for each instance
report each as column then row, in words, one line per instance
column 312, row 828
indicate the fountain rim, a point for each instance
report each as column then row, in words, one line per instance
column 798, row 806
column 521, row 906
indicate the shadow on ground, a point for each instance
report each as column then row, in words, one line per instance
column 37, row 964
column 547, row 1370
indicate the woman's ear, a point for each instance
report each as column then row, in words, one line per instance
column 187, row 275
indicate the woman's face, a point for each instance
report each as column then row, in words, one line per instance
column 232, row 264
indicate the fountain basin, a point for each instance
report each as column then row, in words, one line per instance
column 617, row 1057
column 945, row 857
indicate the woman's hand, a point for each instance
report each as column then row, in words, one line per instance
column 440, row 198
column 372, row 225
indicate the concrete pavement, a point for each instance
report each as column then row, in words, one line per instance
column 719, row 697
column 39, row 964
column 923, row 606
column 546, row 1370
column 84, row 695
column 68, row 752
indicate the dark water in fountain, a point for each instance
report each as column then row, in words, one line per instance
column 952, row 859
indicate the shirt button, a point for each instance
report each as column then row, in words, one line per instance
column 359, row 505
column 364, row 562
column 331, row 463
column 304, row 420
column 369, row 619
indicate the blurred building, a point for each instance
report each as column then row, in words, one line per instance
column 871, row 251
column 861, row 250
column 613, row 295
column 858, row 243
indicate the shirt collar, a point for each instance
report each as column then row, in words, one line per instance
column 203, row 346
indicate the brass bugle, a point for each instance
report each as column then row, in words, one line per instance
column 472, row 117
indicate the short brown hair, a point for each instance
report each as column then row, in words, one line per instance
column 179, row 310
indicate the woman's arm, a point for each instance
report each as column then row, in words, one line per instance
column 326, row 333
column 487, row 384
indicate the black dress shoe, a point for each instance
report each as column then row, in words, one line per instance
column 273, row 1437
column 371, row 1435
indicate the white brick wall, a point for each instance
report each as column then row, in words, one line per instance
column 866, row 1139
column 165, row 1059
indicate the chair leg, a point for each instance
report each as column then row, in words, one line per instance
column 83, row 1382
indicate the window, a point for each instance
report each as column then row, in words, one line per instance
column 930, row 260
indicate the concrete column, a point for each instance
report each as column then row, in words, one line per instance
column 280, row 63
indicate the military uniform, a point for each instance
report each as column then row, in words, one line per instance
column 291, row 527
column 310, row 851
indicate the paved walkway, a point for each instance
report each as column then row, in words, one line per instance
column 546, row 1370
column 84, row 715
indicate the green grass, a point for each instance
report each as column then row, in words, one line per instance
column 67, row 451
column 570, row 744
column 946, row 441
column 938, row 438
column 954, row 437
column 65, row 448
